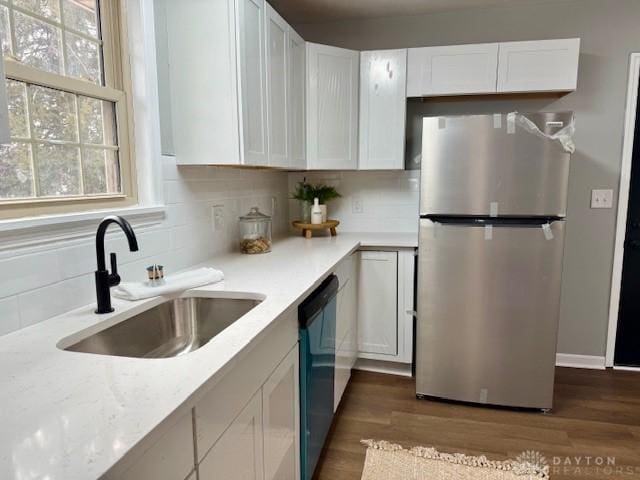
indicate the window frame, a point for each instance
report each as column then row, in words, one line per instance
column 117, row 89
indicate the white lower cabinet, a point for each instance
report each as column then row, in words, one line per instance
column 385, row 305
column 247, row 425
column 170, row 457
column 346, row 325
column 262, row 442
column 238, row 454
column 280, row 420
column 378, row 312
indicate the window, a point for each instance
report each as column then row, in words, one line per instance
column 67, row 108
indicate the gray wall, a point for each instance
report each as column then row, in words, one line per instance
column 610, row 30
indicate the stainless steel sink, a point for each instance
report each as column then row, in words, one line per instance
column 173, row 328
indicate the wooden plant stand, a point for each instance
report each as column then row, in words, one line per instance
column 309, row 228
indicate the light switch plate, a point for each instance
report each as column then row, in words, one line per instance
column 357, row 205
column 217, row 212
column 602, row 198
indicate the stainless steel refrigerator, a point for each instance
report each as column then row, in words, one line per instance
column 492, row 225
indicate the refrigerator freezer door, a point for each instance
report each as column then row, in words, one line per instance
column 488, row 304
column 474, row 165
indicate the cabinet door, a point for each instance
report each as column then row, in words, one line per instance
column 277, row 115
column 296, row 90
column 252, row 73
column 238, row 454
column 378, row 303
column 452, row 70
column 169, row 458
column 281, row 420
column 539, row 66
column 202, row 81
column 332, row 107
column 383, row 106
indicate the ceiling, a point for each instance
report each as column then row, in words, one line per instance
column 320, row 11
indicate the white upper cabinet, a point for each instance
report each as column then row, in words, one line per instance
column 332, row 107
column 217, row 81
column 545, row 65
column 383, row 105
column 202, row 81
column 296, row 91
column 277, row 32
column 452, row 70
column 252, row 69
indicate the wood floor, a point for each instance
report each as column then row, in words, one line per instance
column 596, row 414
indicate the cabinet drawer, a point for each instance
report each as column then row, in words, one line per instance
column 217, row 409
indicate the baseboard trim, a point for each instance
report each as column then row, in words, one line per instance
column 627, row 369
column 580, row 361
column 379, row 366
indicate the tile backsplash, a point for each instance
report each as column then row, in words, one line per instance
column 36, row 285
column 372, row 201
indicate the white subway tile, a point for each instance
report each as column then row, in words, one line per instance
column 26, row 272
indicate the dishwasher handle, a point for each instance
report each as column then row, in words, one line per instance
column 317, row 300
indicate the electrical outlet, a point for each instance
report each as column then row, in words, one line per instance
column 602, row 198
column 357, row 205
column 217, row 212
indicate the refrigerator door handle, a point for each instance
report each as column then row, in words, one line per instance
column 514, row 222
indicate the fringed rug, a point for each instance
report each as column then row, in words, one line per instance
column 386, row 461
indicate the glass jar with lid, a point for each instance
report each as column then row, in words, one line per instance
column 255, row 232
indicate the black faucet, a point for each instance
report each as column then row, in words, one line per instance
column 104, row 279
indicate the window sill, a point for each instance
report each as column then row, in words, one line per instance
column 43, row 231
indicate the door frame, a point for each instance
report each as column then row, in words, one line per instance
column 623, row 204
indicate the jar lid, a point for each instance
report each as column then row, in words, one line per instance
column 255, row 215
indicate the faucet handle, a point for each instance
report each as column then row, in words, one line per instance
column 114, row 278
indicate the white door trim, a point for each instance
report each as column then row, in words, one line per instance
column 623, row 201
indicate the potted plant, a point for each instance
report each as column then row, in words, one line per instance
column 306, row 192
column 324, row 193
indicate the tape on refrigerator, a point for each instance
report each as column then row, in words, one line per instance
column 546, row 229
column 511, row 123
column 442, row 123
column 493, row 209
column 564, row 136
column 488, row 232
column 497, row 120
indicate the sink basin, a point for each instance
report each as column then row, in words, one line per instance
column 170, row 329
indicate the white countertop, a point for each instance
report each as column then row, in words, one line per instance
column 67, row 415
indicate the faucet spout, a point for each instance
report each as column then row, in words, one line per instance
column 104, row 279
column 102, row 230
